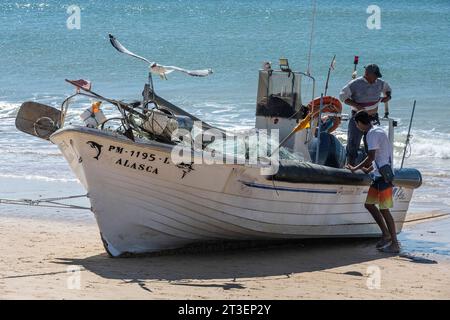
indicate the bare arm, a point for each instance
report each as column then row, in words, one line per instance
column 385, row 100
column 387, row 92
column 387, row 97
column 367, row 170
column 352, row 103
column 366, row 164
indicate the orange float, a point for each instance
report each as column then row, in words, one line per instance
column 330, row 105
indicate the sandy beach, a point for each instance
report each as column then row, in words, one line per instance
column 45, row 259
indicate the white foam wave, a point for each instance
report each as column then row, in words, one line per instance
column 37, row 177
column 424, row 144
column 426, row 147
column 33, row 153
column 31, row 6
column 8, row 110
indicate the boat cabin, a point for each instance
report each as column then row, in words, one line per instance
column 280, row 106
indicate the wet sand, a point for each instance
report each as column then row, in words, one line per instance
column 47, row 259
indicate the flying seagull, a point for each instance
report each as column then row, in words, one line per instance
column 156, row 68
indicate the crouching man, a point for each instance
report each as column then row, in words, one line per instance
column 379, row 151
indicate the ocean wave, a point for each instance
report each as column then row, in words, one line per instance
column 424, row 144
column 8, row 109
column 425, row 147
column 234, row 116
column 25, row 6
column 436, row 174
column 37, row 177
column 32, row 153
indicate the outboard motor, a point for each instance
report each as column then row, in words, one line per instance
column 38, row 119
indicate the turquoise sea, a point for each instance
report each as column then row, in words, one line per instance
column 412, row 48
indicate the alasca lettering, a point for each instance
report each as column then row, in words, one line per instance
column 137, row 166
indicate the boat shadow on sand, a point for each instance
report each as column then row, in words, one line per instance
column 234, row 261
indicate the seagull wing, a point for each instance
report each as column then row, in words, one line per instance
column 194, row 73
column 119, row 47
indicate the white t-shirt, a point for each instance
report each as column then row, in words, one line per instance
column 378, row 140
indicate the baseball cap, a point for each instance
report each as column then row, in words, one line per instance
column 374, row 69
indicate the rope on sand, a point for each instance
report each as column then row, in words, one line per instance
column 46, row 202
column 427, row 217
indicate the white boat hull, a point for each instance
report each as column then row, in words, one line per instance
column 143, row 202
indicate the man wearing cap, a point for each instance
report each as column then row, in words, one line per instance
column 363, row 93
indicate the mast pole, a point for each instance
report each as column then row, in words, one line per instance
column 319, row 121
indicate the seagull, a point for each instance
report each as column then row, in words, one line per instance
column 156, row 68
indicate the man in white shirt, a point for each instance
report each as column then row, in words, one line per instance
column 379, row 151
column 363, row 93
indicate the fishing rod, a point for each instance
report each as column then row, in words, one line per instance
column 355, row 64
column 305, row 123
column 331, row 67
column 319, row 127
column 120, row 104
column 313, row 19
column 408, row 136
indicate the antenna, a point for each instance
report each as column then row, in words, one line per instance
column 308, row 71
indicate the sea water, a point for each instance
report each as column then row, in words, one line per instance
column 39, row 49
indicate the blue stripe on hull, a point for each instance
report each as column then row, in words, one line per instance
column 264, row 186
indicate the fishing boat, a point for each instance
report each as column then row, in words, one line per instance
column 145, row 198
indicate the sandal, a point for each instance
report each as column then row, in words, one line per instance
column 382, row 243
column 389, row 249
